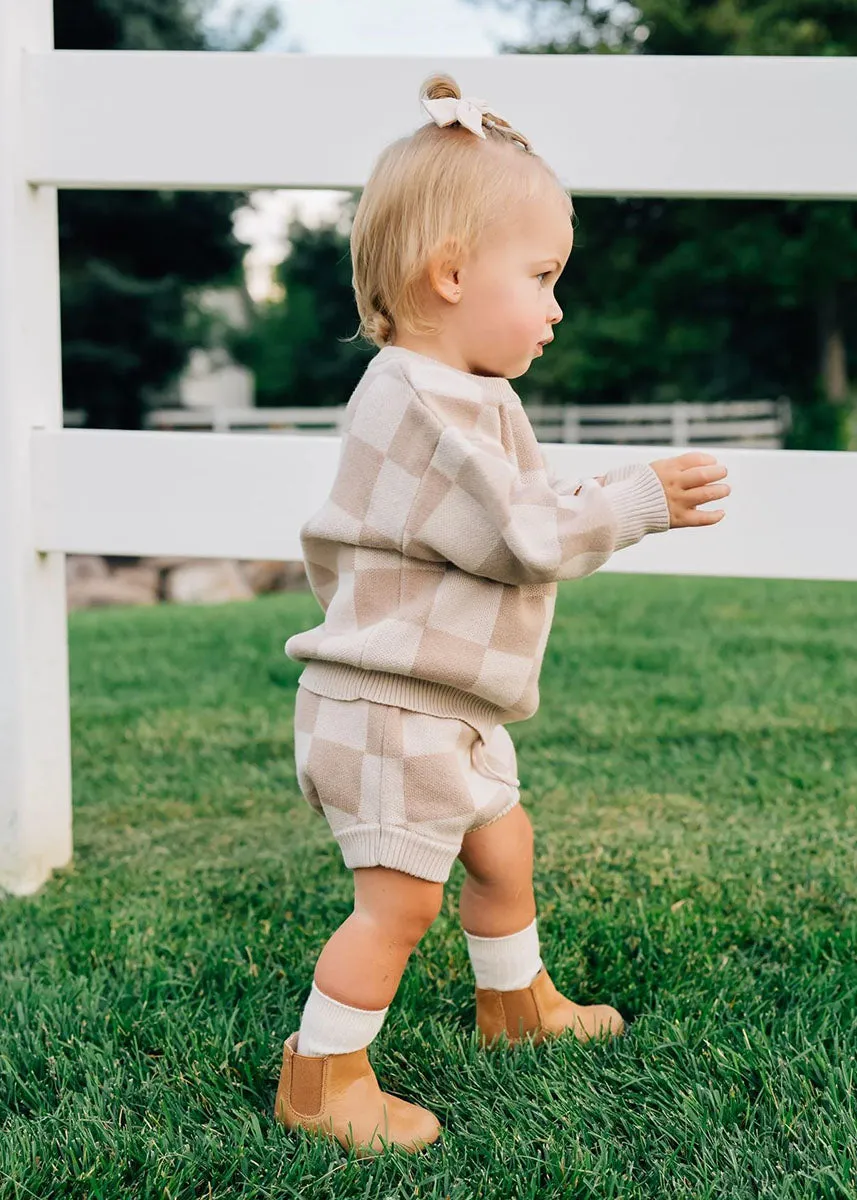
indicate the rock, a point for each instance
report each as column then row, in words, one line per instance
column 207, row 582
column 142, row 576
column 99, row 592
column 295, row 576
column 264, row 575
column 164, row 563
column 91, row 582
column 85, row 566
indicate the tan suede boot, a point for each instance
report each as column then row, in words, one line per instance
column 338, row 1096
column 540, row 1011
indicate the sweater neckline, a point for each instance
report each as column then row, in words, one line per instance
column 495, row 387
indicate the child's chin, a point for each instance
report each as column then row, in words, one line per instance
column 521, row 369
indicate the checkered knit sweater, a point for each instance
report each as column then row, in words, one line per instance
column 437, row 554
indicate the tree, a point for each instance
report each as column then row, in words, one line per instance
column 129, row 260
column 301, row 347
column 708, row 298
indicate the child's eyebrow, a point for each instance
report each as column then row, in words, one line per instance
column 551, row 262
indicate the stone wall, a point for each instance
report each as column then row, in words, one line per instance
column 92, row 582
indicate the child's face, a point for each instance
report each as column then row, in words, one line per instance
column 507, row 309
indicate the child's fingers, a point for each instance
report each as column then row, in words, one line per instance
column 695, row 458
column 704, row 516
column 694, row 477
column 704, row 495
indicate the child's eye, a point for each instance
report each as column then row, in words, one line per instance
column 542, row 276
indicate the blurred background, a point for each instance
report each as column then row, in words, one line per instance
column 217, row 310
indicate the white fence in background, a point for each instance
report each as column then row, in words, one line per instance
column 761, row 424
column 733, row 126
column 327, row 419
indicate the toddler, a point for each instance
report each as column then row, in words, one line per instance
column 435, row 560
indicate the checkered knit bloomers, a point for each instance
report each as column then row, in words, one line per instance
column 400, row 788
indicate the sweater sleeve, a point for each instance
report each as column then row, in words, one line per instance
column 474, row 509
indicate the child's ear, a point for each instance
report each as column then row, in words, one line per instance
column 444, row 270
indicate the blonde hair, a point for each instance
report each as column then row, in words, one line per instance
column 437, row 187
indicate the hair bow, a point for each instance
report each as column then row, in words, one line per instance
column 467, row 111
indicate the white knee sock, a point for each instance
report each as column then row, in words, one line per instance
column 505, row 963
column 329, row 1027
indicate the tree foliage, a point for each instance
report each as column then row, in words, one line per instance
column 129, row 260
column 709, row 298
column 301, row 347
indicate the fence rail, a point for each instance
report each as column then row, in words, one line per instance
column 223, row 420
column 758, row 423
column 667, row 125
column 751, row 423
column 246, row 495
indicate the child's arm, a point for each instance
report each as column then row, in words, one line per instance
column 473, row 508
column 689, row 480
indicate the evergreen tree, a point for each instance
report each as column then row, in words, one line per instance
column 707, row 298
column 130, row 259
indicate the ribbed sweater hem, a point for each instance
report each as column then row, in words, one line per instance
column 342, row 681
column 398, row 849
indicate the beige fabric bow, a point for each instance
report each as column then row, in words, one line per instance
column 467, row 111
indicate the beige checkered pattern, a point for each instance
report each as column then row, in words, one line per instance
column 400, row 789
column 436, row 556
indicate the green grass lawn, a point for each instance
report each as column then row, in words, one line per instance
column 692, row 778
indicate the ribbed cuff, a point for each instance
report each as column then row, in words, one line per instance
column 330, row 1027
column 637, row 497
column 399, row 849
column 508, row 963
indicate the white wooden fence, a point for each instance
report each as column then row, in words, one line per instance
column 327, row 419
column 758, row 423
column 682, row 127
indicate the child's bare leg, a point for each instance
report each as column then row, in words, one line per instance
column 363, row 961
column 514, row 993
column 358, row 971
column 327, row 1082
column 497, row 896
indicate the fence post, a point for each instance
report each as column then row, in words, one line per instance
column 35, row 772
column 680, row 424
column 784, row 412
column 571, row 424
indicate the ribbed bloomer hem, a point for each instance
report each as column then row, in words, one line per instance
column 403, row 850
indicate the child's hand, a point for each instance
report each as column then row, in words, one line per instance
column 688, row 481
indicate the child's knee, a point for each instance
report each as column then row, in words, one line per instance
column 402, row 905
column 500, row 858
column 416, row 921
